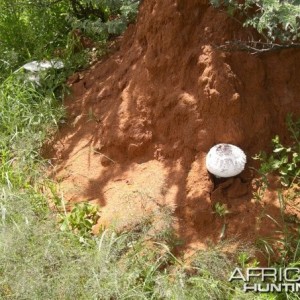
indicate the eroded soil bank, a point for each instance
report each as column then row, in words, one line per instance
column 141, row 121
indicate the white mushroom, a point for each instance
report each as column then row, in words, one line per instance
column 225, row 160
column 32, row 66
column 36, row 66
column 55, row 64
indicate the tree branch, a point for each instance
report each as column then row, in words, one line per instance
column 254, row 47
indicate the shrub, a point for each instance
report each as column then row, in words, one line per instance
column 102, row 19
column 35, row 30
column 277, row 21
column 285, row 160
column 30, row 30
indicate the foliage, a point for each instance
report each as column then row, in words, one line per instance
column 246, row 260
column 221, row 209
column 43, row 29
column 285, row 160
column 37, row 261
column 275, row 20
column 30, row 30
column 27, row 116
column 104, row 9
column 81, row 219
column 108, row 17
column 282, row 250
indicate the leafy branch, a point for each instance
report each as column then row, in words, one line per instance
column 278, row 22
column 284, row 160
column 254, row 47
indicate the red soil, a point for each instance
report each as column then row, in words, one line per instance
column 141, row 122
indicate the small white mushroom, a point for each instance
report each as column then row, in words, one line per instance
column 55, row 64
column 36, row 66
column 225, row 160
column 33, row 69
column 32, row 66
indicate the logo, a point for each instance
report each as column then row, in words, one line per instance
column 267, row 280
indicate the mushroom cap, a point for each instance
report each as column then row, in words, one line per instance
column 36, row 66
column 225, row 160
column 33, row 66
column 55, row 64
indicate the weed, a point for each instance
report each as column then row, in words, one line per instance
column 245, row 260
column 285, row 160
column 283, row 249
column 39, row 262
column 81, row 219
column 274, row 20
column 221, row 210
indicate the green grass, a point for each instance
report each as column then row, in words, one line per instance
column 38, row 261
column 28, row 116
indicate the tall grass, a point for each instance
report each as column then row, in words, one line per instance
column 27, row 116
column 37, row 261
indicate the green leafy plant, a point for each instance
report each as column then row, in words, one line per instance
column 42, row 29
column 260, row 186
column 30, row 30
column 81, row 219
column 102, row 19
column 285, row 160
column 275, row 20
column 246, row 260
column 221, row 209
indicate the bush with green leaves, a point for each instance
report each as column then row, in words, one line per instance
column 30, row 30
column 102, row 19
column 42, row 29
column 285, row 160
column 277, row 21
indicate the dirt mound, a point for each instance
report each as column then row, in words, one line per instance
column 144, row 119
